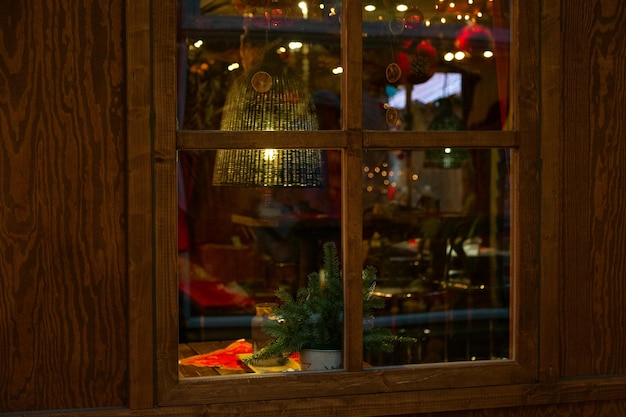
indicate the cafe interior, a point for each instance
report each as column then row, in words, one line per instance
column 435, row 220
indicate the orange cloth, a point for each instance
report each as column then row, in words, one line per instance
column 226, row 358
column 222, row 358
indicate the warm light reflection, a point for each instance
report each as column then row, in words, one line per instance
column 269, row 154
column 305, row 9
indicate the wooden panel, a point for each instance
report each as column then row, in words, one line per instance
column 63, row 329
column 140, row 211
column 551, row 190
column 165, row 214
column 609, row 408
column 377, row 382
column 593, row 325
column 525, row 191
column 260, row 139
column 477, row 139
column 485, row 402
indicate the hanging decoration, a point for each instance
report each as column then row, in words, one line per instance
column 419, row 61
column 475, row 41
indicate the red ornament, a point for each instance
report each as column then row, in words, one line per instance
column 414, row 19
column 474, row 40
column 419, row 64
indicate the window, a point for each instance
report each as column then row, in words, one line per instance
column 388, row 132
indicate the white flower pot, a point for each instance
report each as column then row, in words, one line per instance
column 320, row 359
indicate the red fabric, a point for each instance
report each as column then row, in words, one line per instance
column 225, row 358
column 214, row 294
column 183, row 231
column 222, row 358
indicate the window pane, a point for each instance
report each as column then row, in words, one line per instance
column 448, row 60
column 436, row 228
column 259, row 65
column 241, row 238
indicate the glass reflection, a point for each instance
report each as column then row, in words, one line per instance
column 436, row 228
column 270, row 43
column 238, row 245
column 436, row 65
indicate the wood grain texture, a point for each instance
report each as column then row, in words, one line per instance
column 469, row 403
column 63, row 341
column 593, row 329
column 525, row 191
column 165, row 193
column 65, row 300
column 140, row 204
column 551, row 263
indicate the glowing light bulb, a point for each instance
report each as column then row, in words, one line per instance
column 269, row 154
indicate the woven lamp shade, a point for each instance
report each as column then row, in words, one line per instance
column 270, row 98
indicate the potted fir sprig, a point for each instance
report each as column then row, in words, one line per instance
column 313, row 319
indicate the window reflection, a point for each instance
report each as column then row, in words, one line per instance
column 237, row 246
column 229, row 40
column 429, row 59
column 417, row 57
column 436, row 227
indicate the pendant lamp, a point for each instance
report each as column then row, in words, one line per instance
column 269, row 97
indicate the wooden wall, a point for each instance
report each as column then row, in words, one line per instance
column 64, row 333
column 63, row 300
column 592, row 331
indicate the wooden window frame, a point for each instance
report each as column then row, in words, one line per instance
column 436, row 387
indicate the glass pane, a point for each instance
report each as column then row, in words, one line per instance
column 241, row 239
column 436, row 228
column 448, row 60
column 260, row 66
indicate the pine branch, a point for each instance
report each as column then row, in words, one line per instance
column 314, row 317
